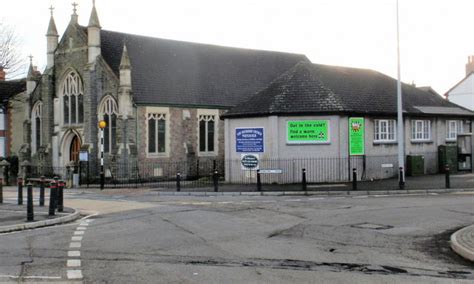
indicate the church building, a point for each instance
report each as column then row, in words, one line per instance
column 161, row 99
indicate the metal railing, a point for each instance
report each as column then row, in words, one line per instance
column 204, row 173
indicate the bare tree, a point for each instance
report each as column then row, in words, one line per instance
column 10, row 55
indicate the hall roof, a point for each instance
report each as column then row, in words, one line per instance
column 191, row 74
column 309, row 89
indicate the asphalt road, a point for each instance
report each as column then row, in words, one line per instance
column 143, row 238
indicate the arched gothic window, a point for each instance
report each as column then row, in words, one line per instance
column 36, row 126
column 108, row 113
column 73, row 99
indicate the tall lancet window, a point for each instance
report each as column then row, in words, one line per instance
column 36, row 126
column 73, row 99
column 108, row 113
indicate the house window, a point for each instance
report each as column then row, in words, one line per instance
column 108, row 113
column 36, row 126
column 2, row 119
column 420, row 130
column 207, row 130
column 384, row 130
column 73, row 99
column 156, row 133
column 454, row 127
column 2, row 147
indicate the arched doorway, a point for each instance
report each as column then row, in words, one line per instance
column 70, row 148
column 74, row 149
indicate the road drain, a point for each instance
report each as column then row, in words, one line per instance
column 371, row 226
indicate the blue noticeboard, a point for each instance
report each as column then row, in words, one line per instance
column 249, row 140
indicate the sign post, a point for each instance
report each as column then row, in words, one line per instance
column 249, row 140
column 356, row 136
column 308, row 132
column 249, row 162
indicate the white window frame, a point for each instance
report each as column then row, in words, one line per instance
column 208, row 115
column 382, row 132
column 3, row 117
column 155, row 113
column 420, row 130
column 72, row 87
column 453, row 128
column 36, row 112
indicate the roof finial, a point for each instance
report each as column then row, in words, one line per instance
column 31, row 59
column 93, row 3
column 74, row 4
column 51, row 8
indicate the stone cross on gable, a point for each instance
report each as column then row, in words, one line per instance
column 74, row 4
column 31, row 58
column 51, row 8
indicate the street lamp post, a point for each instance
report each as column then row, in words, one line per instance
column 400, row 127
column 102, row 125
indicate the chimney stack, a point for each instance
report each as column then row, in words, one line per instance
column 2, row 74
column 470, row 65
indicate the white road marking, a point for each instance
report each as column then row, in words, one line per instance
column 31, row 277
column 79, row 233
column 81, row 228
column 74, row 253
column 74, row 274
column 77, row 238
column 73, row 263
column 75, row 245
column 359, row 197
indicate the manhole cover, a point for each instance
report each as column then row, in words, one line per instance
column 371, row 226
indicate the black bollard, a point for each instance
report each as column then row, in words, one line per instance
column 178, row 182
column 61, row 196
column 448, row 183
column 215, row 178
column 401, row 181
column 354, row 179
column 52, row 198
column 304, row 180
column 20, row 191
column 1, row 190
column 56, row 193
column 30, row 215
column 259, row 182
column 41, row 197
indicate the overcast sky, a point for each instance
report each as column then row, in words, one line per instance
column 436, row 36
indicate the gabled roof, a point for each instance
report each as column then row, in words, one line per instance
column 446, row 95
column 182, row 73
column 321, row 89
column 11, row 88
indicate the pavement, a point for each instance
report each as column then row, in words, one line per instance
column 13, row 217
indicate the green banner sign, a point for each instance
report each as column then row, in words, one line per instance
column 356, row 136
column 308, row 131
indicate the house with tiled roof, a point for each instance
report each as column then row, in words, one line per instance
column 463, row 92
column 161, row 99
column 10, row 111
column 312, row 111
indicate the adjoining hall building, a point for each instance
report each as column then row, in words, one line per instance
column 161, row 99
column 308, row 115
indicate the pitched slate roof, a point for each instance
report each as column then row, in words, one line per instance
column 183, row 73
column 10, row 88
column 321, row 89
